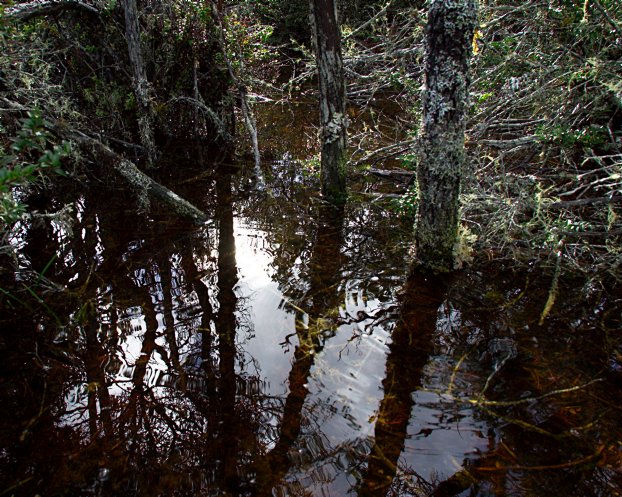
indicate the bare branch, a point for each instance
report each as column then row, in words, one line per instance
column 27, row 11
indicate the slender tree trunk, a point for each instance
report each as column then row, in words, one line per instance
column 333, row 119
column 451, row 24
column 141, row 84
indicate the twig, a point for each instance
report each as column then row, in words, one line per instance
column 578, row 462
column 554, row 285
column 370, row 21
column 606, row 15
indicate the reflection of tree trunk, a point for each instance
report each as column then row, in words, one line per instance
column 40, row 247
column 325, row 269
column 169, row 320
column 408, row 353
column 148, row 347
column 449, row 40
column 95, row 361
column 333, row 119
column 207, row 311
column 226, row 329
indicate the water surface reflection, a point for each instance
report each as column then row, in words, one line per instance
column 281, row 350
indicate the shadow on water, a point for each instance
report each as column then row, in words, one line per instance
column 281, row 350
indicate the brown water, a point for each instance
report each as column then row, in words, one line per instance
column 282, row 350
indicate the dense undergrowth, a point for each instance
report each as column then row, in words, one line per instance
column 544, row 138
column 544, row 132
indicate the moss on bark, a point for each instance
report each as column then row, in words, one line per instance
column 450, row 29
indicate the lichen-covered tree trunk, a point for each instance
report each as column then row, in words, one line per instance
column 140, row 82
column 450, row 29
column 333, row 120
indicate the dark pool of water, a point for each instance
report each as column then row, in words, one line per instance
column 282, row 350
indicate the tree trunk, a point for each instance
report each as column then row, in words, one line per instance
column 140, row 83
column 451, row 25
column 333, row 119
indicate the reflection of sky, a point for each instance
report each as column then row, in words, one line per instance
column 344, row 373
column 263, row 299
column 345, row 384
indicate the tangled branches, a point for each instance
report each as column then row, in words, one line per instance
column 545, row 136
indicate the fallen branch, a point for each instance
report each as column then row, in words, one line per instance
column 127, row 170
column 517, row 142
column 585, row 201
column 591, row 234
column 26, row 11
column 397, row 174
column 136, row 179
column 390, row 150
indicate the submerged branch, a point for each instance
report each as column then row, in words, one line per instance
column 529, row 400
column 578, row 462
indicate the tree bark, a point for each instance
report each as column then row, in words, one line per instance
column 450, row 29
column 333, row 119
column 140, row 82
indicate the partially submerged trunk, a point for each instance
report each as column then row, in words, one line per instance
column 146, row 189
column 451, row 25
column 333, row 119
column 140, row 82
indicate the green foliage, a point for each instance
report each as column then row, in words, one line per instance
column 247, row 41
column 408, row 203
column 590, row 136
column 30, row 153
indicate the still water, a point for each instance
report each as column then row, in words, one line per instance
column 283, row 349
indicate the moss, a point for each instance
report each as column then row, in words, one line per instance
column 442, row 161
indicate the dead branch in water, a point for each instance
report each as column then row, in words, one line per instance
column 147, row 189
